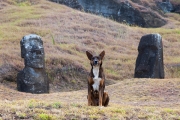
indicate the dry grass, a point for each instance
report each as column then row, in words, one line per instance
column 175, row 1
column 67, row 34
column 142, row 99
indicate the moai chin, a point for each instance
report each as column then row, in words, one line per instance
column 149, row 63
column 33, row 78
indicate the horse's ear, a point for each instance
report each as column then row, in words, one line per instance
column 89, row 55
column 102, row 54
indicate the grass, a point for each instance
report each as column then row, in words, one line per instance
column 148, row 99
column 74, row 112
column 176, row 1
column 67, row 34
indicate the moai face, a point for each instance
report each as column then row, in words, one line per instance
column 33, row 78
column 32, row 51
column 149, row 63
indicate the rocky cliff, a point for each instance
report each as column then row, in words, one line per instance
column 133, row 12
column 176, row 6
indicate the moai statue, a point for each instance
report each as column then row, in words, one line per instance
column 149, row 63
column 33, row 78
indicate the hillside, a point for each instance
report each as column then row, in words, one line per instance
column 67, row 34
column 143, row 13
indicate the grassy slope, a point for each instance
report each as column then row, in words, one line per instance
column 67, row 34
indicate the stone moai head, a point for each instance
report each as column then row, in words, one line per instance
column 32, row 51
column 149, row 63
column 33, row 78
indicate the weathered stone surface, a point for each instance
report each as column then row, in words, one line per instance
column 128, row 14
column 123, row 12
column 176, row 8
column 32, row 78
column 120, row 11
column 165, row 6
column 149, row 63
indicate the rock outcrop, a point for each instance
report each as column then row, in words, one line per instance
column 127, row 12
column 166, row 6
column 176, row 7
